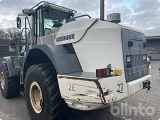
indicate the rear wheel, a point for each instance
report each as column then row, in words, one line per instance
column 10, row 86
column 42, row 93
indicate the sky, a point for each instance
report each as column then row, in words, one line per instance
column 139, row 14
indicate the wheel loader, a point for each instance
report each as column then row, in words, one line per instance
column 77, row 62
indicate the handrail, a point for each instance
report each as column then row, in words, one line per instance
column 82, row 16
column 26, row 41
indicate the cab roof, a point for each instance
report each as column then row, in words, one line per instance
column 48, row 4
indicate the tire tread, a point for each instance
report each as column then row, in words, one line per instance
column 12, row 84
column 57, row 106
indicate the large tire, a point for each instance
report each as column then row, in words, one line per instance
column 42, row 93
column 10, row 86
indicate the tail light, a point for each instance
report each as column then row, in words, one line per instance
column 128, row 58
column 106, row 72
column 129, row 61
column 144, row 57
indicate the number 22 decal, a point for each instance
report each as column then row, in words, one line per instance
column 120, row 87
column 71, row 87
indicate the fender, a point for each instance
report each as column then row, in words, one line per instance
column 62, row 57
column 13, row 64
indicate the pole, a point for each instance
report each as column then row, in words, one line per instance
column 102, row 9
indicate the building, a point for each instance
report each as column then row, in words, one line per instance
column 4, row 48
column 153, row 43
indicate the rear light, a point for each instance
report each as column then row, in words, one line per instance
column 106, row 72
column 130, row 43
column 128, row 59
column 144, row 57
column 118, row 72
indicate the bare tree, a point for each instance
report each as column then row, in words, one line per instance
column 3, row 35
column 14, row 34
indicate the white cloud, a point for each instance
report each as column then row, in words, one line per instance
column 139, row 14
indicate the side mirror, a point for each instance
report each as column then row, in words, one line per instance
column 12, row 47
column 18, row 22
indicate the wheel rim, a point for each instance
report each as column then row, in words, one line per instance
column 2, row 80
column 36, row 97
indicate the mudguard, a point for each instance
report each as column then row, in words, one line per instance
column 13, row 64
column 61, row 57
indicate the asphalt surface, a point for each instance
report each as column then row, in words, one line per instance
column 15, row 109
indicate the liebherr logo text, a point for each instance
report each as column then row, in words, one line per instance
column 67, row 37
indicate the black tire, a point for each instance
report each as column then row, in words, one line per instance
column 53, row 106
column 11, row 86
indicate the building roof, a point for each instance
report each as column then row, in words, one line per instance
column 153, row 38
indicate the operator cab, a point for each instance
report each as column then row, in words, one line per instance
column 50, row 18
column 45, row 18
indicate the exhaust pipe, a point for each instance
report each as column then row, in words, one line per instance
column 101, row 9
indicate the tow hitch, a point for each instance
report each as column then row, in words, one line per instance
column 147, row 84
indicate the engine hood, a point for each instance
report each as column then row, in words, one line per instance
column 74, row 31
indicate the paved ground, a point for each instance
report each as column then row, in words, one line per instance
column 15, row 109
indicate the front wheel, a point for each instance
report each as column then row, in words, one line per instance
column 10, row 86
column 43, row 97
